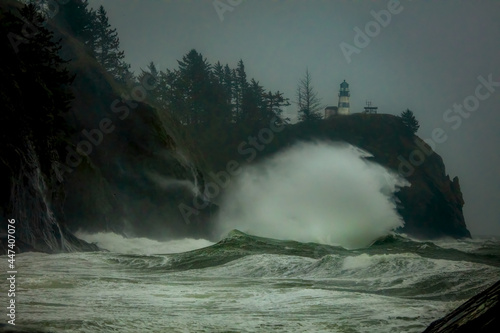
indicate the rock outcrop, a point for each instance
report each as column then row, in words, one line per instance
column 125, row 169
column 480, row 314
column 141, row 175
column 431, row 207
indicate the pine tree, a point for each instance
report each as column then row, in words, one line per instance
column 218, row 73
column 150, row 80
column 220, row 104
column 107, row 48
column 228, row 84
column 274, row 104
column 79, row 19
column 410, row 121
column 307, row 100
column 175, row 96
column 240, row 86
column 34, row 89
column 189, row 89
column 253, row 105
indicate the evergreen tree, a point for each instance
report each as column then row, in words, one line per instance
column 34, row 90
column 216, row 97
column 163, row 90
column 151, row 80
column 189, row 89
column 228, row 84
column 307, row 100
column 274, row 104
column 240, row 85
column 79, row 19
column 253, row 106
column 107, row 48
column 410, row 121
column 218, row 73
column 175, row 96
column 221, row 108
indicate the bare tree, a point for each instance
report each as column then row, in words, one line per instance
column 308, row 101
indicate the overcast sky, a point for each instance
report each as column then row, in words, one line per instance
column 427, row 58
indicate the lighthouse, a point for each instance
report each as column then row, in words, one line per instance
column 343, row 107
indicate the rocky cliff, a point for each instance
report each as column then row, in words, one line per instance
column 139, row 170
column 431, row 207
column 124, row 167
column 128, row 167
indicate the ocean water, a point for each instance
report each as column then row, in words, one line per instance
column 246, row 283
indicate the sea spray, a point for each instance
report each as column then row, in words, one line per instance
column 140, row 245
column 314, row 192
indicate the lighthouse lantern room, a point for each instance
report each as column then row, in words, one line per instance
column 344, row 94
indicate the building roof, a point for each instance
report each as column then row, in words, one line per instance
column 344, row 85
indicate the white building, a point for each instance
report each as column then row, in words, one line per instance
column 344, row 104
column 343, row 107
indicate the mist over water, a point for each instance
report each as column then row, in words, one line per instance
column 314, row 192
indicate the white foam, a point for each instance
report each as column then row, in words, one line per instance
column 101, row 295
column 466, row 245
column 314, row 192
column 119, row 244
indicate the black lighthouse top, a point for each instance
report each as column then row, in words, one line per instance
column 344, row 89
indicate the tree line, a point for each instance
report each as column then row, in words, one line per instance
column 201, row 94
column 93, row 29
column 197, row 93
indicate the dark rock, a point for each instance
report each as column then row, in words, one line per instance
column 480, row 314
column 132, row 180
column 431, row 207
column 136, row 177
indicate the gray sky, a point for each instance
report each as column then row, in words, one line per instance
column 427, row 58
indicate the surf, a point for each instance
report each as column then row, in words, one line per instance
column 314, row 192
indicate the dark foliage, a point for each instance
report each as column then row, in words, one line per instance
column 410, row 121
column 213, row 101
column 34, row 89
column 93, row 29
column 78, row 19
column 106, row 47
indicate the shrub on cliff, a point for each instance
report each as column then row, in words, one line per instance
column 410, row 121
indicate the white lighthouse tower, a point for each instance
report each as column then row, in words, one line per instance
column 344, row 105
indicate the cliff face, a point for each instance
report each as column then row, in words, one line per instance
column 139, row 171
column 125, row 168
column 431, row 207
column 128, row 168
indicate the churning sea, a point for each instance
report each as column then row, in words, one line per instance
column 246, row 283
